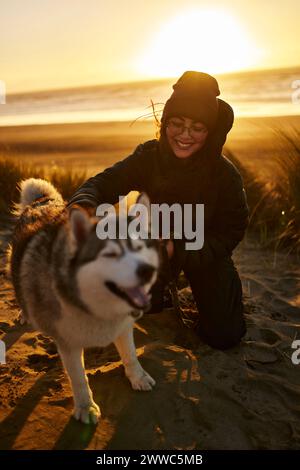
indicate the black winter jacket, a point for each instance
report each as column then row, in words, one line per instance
column 201, row 178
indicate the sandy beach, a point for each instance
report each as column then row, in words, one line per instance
column 95, row 146
column 244, row 398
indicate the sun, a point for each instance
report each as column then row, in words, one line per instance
column 206, row 40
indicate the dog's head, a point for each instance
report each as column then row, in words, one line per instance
column 114, row 273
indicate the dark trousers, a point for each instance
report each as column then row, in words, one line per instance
column 217, row 291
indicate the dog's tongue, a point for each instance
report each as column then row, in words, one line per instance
column 138, row 295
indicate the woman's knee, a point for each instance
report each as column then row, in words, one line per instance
column 223, row 339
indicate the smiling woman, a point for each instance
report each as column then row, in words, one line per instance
column 184, row 168
column 198, row 39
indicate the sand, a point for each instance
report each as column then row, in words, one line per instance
column 244, row 398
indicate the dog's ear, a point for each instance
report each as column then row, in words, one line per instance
column 144, row 200
column 80, row 224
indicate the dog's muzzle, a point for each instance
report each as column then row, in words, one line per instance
column 136, row 297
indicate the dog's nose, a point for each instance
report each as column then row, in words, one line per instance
column 144, row 271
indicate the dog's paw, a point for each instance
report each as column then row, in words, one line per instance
column 87, row 414
column 142, row 381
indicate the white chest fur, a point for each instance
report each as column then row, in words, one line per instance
column 78, row 328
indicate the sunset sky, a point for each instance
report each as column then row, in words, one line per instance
column 65, row 43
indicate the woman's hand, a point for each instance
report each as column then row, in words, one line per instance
column 169, row 246
column 90, row 210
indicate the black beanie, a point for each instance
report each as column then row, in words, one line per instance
column 195, row 97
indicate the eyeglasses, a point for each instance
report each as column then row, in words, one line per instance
column 177, row 127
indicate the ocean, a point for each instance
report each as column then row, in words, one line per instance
column 257, row 93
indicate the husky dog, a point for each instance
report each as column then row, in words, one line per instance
column 78, row 289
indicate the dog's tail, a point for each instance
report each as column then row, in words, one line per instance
column 33, row 189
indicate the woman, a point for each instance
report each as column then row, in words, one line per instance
column 185, row 165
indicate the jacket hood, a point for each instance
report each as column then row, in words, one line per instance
column 223, row 126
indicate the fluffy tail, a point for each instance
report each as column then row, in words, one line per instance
column 33, row 189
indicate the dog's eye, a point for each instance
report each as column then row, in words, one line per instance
column 111, row 254
column 138, row 247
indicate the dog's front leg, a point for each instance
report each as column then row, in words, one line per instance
column 85, row 409
column 138, row 377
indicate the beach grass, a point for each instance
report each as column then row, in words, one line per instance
column 288, row 187
column 12, row 172
column 274, row 205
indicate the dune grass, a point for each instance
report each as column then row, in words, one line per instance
column 288, row 187
column 275, row 205
column 11, row 173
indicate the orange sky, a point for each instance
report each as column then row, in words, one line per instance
column 63, row 43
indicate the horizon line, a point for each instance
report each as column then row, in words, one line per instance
column 145, row 80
